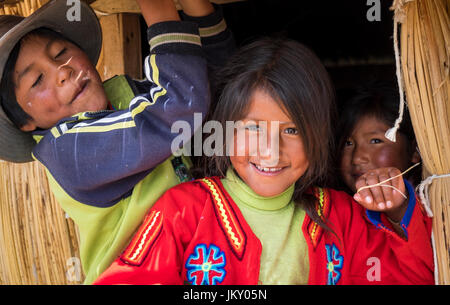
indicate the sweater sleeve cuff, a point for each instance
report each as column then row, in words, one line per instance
column 174, row 37
column 211, row 27
column 376, row 219
column 411, row 205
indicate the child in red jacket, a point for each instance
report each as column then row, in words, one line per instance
column 364, row 120
column 264, row 217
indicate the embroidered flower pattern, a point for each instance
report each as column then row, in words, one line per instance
column 206, row 265
column 335, row 261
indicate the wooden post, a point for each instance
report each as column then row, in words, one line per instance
column 121, row 52
column 121, row 47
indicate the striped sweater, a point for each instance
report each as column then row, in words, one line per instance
column 107, row 168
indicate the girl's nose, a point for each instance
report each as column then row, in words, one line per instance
column 269, row 146
column 359, row 156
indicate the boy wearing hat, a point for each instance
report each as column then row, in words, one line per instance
column 106, row 146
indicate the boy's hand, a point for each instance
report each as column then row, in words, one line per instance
column 196, row 8
column 383, row 198
column 155, row 11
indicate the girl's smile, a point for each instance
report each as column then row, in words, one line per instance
column 268, row 170
column 271, row 169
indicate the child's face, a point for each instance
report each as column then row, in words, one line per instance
column 367, row 148
column 272, row 171
column 55, row 79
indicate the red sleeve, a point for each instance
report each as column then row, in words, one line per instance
column 155, row 254
column 378, row 255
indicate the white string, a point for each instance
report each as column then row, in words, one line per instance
column 399, row 17
column 436, row 270
column 392, row 178
column 422, row 189
column 391, row 132
column 393, row 187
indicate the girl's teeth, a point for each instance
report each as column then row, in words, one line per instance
column 267, row 169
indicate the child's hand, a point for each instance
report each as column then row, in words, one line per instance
column 196, row 8
column 383, row 198
column 155, row 11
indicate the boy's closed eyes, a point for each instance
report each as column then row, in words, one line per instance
column 55, row 79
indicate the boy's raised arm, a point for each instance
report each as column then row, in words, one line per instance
column 196, row 8
column 98, row 158
column 155, row 11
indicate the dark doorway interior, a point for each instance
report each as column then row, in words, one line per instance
column 352, row 48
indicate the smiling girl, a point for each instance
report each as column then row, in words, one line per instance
column 264, row 217
column 363, row 122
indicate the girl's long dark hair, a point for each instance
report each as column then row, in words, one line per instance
column 293, row 75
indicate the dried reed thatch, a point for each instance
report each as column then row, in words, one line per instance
column 38, row 244
column 20, row 8
column 425, row 60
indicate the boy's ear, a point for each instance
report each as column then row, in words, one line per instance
column 29, row 126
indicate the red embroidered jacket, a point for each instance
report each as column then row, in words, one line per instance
column 195, row 233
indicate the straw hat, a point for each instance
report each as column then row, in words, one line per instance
column 15, row 145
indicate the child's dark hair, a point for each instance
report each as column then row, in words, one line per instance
column 8, row 99
column 295, row 77
column 379, row 99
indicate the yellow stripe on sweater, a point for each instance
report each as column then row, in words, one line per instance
column 155, row 76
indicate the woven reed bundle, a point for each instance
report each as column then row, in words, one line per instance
column 21, row 8
column 425, row 61
column 36, row 239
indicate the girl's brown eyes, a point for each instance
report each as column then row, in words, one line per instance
column 291, row 131
column 253, row 128
column 375, row 141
